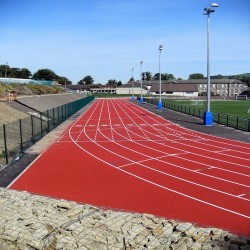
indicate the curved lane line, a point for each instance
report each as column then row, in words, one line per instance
column 153, row 183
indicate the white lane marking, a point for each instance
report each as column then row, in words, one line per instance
column 155, row 141
column 155, row 158
column 155, row 184
column 169, row 140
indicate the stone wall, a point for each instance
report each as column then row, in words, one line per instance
column 36, row 222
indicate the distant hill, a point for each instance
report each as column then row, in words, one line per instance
column 238, row 76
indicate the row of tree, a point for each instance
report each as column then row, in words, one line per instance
column 147, row 76
column 88, row 80
column 41, row 74
column 47, row 74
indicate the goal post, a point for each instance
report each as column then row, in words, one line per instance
column 240, row 97
column 197, row 102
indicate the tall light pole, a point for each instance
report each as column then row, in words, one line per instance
column 208, row 116
column 6, row 70
column 133, row 97
column 160, row 102
column 141, row 100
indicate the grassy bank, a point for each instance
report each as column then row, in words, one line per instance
column 29, row 89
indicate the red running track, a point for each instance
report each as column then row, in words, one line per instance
column 122, row 156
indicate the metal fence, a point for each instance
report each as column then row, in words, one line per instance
column 240, row 123
column 19, row 135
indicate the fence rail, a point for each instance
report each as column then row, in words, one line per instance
column 240, row 123
column 19, row 135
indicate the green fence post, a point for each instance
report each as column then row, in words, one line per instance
column 58, row 116
column 48, row 120
column 41, row 124
column 53, row 112
column 5, row 145
column 65, row 110
column 21, row 135
column 32, row 129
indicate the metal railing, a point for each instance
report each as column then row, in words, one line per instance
column 15, row 137
column 237, row 122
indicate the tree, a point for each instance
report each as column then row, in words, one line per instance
column 168, row 76
column 217, row 76
column 45, row 74
column 20, row 73
column 87, row 80
column 63, row 80
column 196, row 76
column 164, row 76
column 146, row 76
column 4, row 70
column 111, row 82
column 246, row 80
column 119, row 83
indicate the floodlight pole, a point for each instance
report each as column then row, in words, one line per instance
column 160, row 102
column 141, row 100
column 208, row 115
column 133, row 97
column 6, row 70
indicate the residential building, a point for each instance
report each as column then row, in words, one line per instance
column 177, row 89
column 220, row 87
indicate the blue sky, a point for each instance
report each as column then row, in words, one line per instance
column 107, row 38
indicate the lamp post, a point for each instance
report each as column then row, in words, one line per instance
column 160, row 102
column 208, row 116
column 141, row 100
column 133, row 97
column 6, row 70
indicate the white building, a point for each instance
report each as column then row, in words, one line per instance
column 131, row 88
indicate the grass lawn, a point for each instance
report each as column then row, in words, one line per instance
column 236, row 108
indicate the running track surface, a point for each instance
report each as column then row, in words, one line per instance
column 122, row 156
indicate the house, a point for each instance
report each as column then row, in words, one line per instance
column 94, row 88
column 221, row 87
column 177, row 89
column 131, row 88
column 104, row 89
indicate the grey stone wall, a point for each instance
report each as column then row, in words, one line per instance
column 36, row 222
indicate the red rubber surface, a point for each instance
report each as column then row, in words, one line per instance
column 122, row 156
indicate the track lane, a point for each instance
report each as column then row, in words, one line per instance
column 207, row 153
column 120, row 150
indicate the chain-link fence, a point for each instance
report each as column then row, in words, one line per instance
column 240, row 123
column 19, row 135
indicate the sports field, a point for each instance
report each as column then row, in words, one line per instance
column 237, row 108
column 122, row 156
